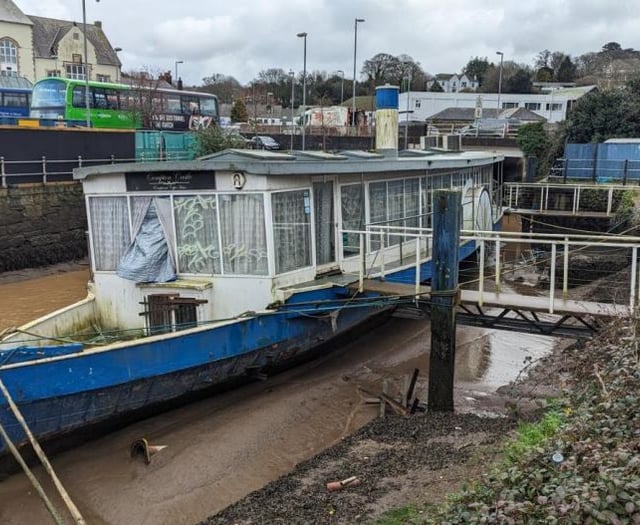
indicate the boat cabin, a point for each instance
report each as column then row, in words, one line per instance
column 178, row 243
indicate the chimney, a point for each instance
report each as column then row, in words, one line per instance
column 98, row 24
column 387, row 120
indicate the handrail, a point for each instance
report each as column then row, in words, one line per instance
column 377, row 262
column 44, row 172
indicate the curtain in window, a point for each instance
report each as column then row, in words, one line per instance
column 292, row 230
column 197, row 234
column 109, row 230
column 324, row 222
column 244, row 245
column 412, row 202
column 395, row 200
column 378, row 211
column 351, row 202
column 147, row 258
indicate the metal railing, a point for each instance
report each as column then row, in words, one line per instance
column 585, row 200
column 559, row 263
column 46, row 170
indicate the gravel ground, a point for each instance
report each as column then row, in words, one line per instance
column 398, row 460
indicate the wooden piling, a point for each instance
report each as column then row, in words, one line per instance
column 444, row 290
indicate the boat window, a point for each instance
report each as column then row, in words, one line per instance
column 197, row 234
column 352, row 217
column 109, row 230
column 244, row 244
column 396, row 205
column 292, row 229
column 169, row 313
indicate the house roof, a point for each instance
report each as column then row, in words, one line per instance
column 444, row 76
column 47, row 33
column 469, row 114
column 10, row 12
column 363, row 103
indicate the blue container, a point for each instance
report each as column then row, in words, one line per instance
column 387, row 97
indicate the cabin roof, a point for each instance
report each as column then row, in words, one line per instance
column 260, row 162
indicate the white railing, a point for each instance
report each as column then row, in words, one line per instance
column 595, row 200
column 562, row 274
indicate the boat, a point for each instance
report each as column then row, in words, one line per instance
column 219, row 270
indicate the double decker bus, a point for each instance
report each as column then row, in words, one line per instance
column 15, row 96
column 120, row 106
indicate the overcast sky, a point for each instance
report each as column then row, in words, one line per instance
column 243, row 37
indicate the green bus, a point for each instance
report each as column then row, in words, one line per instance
column 120, row 106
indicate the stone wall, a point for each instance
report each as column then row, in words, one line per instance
column 41, row 225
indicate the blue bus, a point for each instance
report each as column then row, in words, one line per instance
column 15, row 97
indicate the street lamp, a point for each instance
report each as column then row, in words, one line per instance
column 406, row 117
column 499, row 81
column 293, row 77
column 86, row 63
column 178, row 62
column 304, row 84
column 341, row 86
column 117, row 50
column 355, row 47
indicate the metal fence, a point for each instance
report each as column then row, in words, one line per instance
column 55, row 170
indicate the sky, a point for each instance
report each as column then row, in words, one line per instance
column 240, row 38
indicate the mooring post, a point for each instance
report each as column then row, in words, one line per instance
column 444, row 290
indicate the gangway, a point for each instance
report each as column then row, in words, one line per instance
column 489, row 299
column 563, row 200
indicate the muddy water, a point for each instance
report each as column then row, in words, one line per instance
column 28, row 294
column 222, row 448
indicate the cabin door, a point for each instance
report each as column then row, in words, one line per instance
column 325, row 225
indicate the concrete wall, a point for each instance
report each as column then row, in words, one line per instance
column 41, row 224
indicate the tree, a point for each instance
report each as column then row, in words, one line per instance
column 381, row 68
column 602, row 115
column 477, row 68
column 224, row 86
column 519, row 82
column 214, row 139
column 566, row 71
column 544, row 74
column 239, row 111
column 144, row 104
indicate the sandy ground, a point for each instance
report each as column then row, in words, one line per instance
column 221, row 449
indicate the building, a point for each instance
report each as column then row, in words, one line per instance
column 454, row 83
column 35, row 47
column 421, row 105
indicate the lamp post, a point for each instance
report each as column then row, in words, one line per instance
column 499, row 81
column 304, row 85
column 406, row 116
column 341, row 85
column 178, row 62
column 117, row 50
column 86, row 63
column 355, row 47
column 291, row 100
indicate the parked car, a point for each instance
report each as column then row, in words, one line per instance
column 264, row 142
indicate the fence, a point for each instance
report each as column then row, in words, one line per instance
column 55, row 170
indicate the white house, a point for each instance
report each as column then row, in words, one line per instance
column 35, row 47
column 420, row 105
column 454, row 83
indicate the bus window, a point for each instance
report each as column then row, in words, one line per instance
column 15, row 100
column 112, row 99
column 172, row 104
column 190, row 105
column 49, row 94
column 78, row 97
column 208, row 107
column 99, row 98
